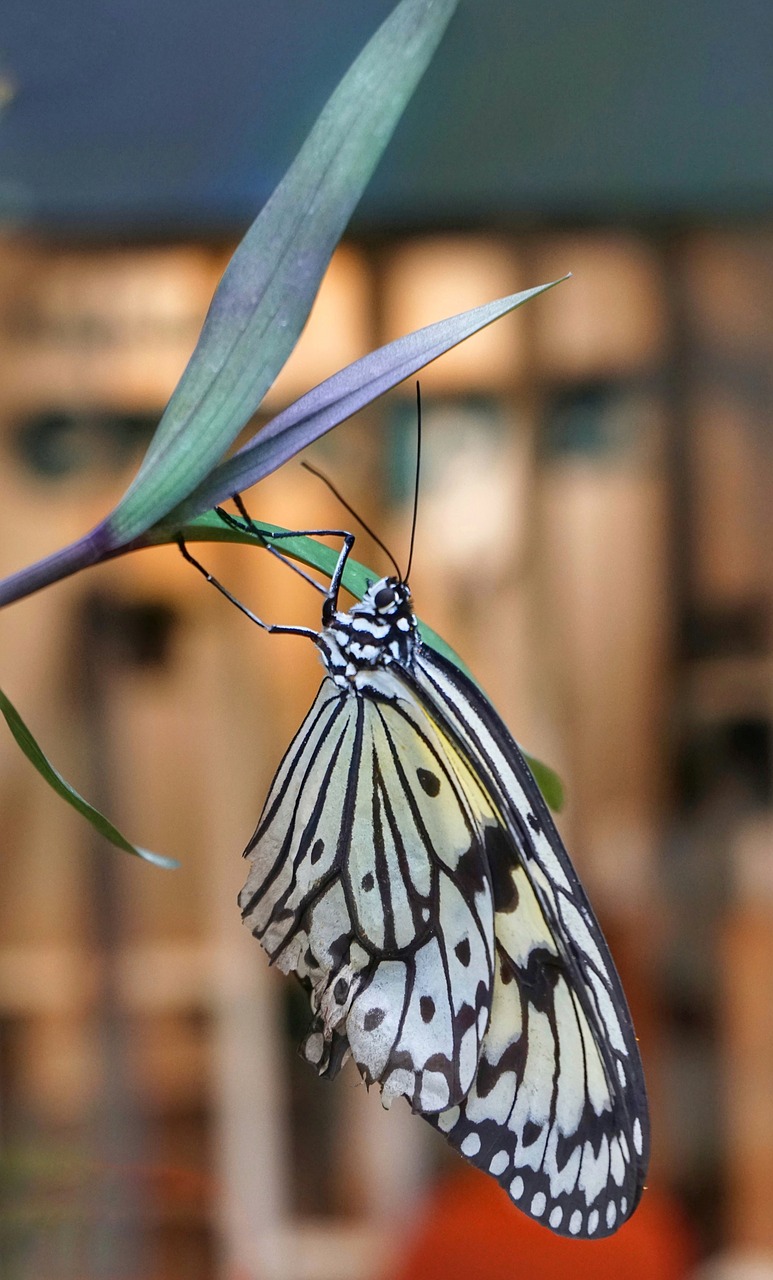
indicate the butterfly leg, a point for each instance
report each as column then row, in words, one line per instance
column 233, row 523
column 331, row 592
column 273, row 628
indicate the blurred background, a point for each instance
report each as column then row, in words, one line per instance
column 594, row 535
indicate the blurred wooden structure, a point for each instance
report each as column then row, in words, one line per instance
column 593, row 538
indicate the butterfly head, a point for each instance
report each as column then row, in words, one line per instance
column 388, row 599
column 377, row 631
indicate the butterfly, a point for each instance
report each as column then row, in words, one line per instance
column 406, row 869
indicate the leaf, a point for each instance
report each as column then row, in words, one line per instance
column 338, row 397
column 55, row 780
column 265, row 296
column 548, row 781
column 302, row 422
column 356, row 580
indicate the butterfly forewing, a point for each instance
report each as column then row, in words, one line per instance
column 370, row 880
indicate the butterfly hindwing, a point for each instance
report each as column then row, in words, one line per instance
column 542, row 1116
column 558, row 1109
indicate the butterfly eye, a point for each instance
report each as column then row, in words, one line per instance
column 384, row 599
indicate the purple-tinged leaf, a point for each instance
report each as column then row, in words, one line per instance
column 337, row 398
column 265, row 296
column 297, row 426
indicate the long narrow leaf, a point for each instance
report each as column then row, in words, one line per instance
column 301, row 423
column 265, row 296
column 338, row 397
column 55, row 780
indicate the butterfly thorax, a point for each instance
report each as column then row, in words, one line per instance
column 378, row 631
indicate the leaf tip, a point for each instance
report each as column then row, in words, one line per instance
column 157, row 859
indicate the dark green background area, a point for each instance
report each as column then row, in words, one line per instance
column 142, row 116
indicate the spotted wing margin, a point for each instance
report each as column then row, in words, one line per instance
column 369, row 880
column 558, row 1112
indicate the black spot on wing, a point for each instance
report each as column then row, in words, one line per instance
column 513, row 1059
column 531, row 1132
column 462, row 952
column 538, row 979
column 341, row 991
column 534, row 823
column 427, row 1006
column 338, row 950
column 470, row 874
column 317, row 849
column 367, row 881
column 567, row 1144
column 500, row 861
column 373, row 1018
column 430, row 781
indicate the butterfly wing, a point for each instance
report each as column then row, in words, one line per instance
column 406, row 868
column 558, row 1110
column 369, row 879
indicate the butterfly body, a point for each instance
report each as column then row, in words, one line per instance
column 406, row 868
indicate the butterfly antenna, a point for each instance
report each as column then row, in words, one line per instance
column 348, row 507
column 416, row 483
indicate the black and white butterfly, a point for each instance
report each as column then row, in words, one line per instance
column 406, row 869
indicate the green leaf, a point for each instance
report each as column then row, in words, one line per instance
column 265, row 296
column 55, row 780
column 356, row 580
column 548, row 781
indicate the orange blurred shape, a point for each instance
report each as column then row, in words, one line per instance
column 469, row 1229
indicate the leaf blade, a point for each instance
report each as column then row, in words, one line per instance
column 340, row 396
column 267, row 291
column 53, row 777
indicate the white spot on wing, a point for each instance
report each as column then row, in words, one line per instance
column 581, row 934
column 556, row 1216
column 499, row 1163
column 434, row 1091
column 608, row 1012
column 538, row 1204
column 447, row 1119
column 471, row 1145
column 638, row 1141
column 516, row 1188
column 616, row 1163
column 468, row 1057
column 575, row 1222
column 594, row 1172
